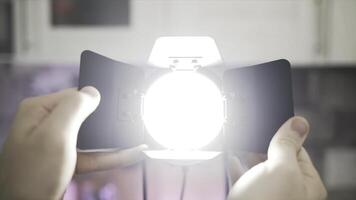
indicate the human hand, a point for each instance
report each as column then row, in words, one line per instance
column 40, row 157
column 288, row 172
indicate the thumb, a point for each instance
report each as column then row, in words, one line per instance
column 90, row 161
column 74, row 108
column 288, row 140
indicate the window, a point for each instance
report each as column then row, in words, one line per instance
column 90, row 12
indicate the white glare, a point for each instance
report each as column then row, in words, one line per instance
column 183, row 110
column 182, row 155
column 200, row 48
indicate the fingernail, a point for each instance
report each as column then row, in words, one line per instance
column 91, row 91
column 300, row 126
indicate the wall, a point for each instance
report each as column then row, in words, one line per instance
column 245, row 31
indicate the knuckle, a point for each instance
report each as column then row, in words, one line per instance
column 287, row 142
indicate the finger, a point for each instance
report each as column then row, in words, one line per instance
column 311, row 176
column 306, row 164
column 50, row 101
column 288, row 140
column 74, row 108
column 38, row 108
column 236, row 169
column 104, row 160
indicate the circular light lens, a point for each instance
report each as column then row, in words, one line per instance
column 183, row 110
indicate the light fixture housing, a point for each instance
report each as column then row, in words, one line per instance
column 184, row 52
column 258, row 99
column 183, row 110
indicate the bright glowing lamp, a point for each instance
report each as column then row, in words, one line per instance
column 183, row 110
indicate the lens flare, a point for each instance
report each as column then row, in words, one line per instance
column 183, row 110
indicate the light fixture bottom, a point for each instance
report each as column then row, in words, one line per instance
column 181, row 156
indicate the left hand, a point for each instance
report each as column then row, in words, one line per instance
column 40, row 156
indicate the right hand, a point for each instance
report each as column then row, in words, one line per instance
column 288, row 172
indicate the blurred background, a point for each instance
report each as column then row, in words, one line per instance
column 41, row 42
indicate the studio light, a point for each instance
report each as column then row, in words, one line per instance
column 187, row 117
column 183, row 110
